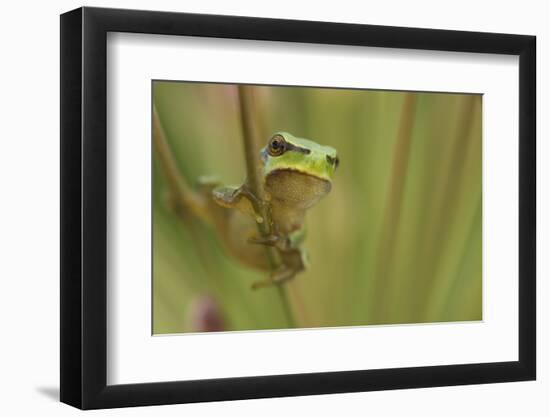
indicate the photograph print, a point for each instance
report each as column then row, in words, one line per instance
column 298, row 207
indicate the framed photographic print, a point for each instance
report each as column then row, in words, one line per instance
column 259, row 207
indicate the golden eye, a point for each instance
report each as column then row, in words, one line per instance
column 277, row 145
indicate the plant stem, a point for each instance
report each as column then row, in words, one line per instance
column 184, row 201
column 393, row 207
column 181, row 194
column 252, row 152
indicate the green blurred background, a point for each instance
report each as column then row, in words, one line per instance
column 398, row 239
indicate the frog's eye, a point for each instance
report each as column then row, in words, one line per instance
column 334, row 161
column 276, row 146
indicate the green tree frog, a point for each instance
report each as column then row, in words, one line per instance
column 296, row 173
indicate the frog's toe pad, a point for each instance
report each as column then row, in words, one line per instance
column 226, row 196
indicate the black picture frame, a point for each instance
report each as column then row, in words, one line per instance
column 84, row 207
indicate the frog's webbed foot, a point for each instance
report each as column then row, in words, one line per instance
column 277, row 277
column 233, row 196
column 240, row 198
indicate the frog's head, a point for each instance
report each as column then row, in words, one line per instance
column 286, row 152
column 298, row 170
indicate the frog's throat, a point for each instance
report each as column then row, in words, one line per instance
column 297, row 171
column 310, row 171
column 296, row 189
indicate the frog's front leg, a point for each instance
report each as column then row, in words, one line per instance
column 240, row 198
